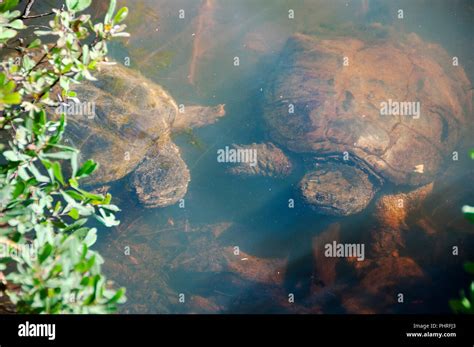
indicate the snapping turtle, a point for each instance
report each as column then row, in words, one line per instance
column 337, row 188
column 350, row 99
column 130, row 132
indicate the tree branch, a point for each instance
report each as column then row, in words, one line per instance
column 38, row 15
column 27, row 11
column 28, row 7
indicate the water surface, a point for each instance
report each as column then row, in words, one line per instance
column 253, row 212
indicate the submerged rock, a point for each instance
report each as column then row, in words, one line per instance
column 204, row 254
column 130, row 130
column 202, row 251
column 389, row 273
column 271, row 162
column 401, row 120
column 380, row 284
column 325, row 267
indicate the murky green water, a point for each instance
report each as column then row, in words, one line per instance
column 150, row 251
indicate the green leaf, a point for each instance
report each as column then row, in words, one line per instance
column 90, row 196
column 111, row 208
column 41, row 117
column 64, row 81
column 73, row 183
column 75, row 225
column 57, row 207
column 58, row 155
column 468, row 212
column 39, row 124
column 85, row 54
column 57, row 137
column 86, row 266
column 9, row 87
column 19, row 189
column 57, row 172
column 74, row 214
column 17, row 24
column 39, row 177
column 111, row 11
column 118, row 295
column 74, row 163
column 8, row 5
column 75, row 195
column 6, row 34
column 34, row 44
column 465, row 303
column 43, row 32
column 91, row 237
column 46, row 252
column 78, row 5
column 469, row 267
column 456, row 305
column 87, row 168
column 11, row 156
column 11, row 99
column 108, row 219
column 108, row 199
column 121, row 15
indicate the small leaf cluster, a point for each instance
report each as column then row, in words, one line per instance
column 465, row 304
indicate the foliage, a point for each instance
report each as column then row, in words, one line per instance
column 466, row 303
column 41, row 202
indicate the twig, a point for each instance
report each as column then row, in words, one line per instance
column 38, row 15
column 27, row 11
column 28, row 7
column 39, row 62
